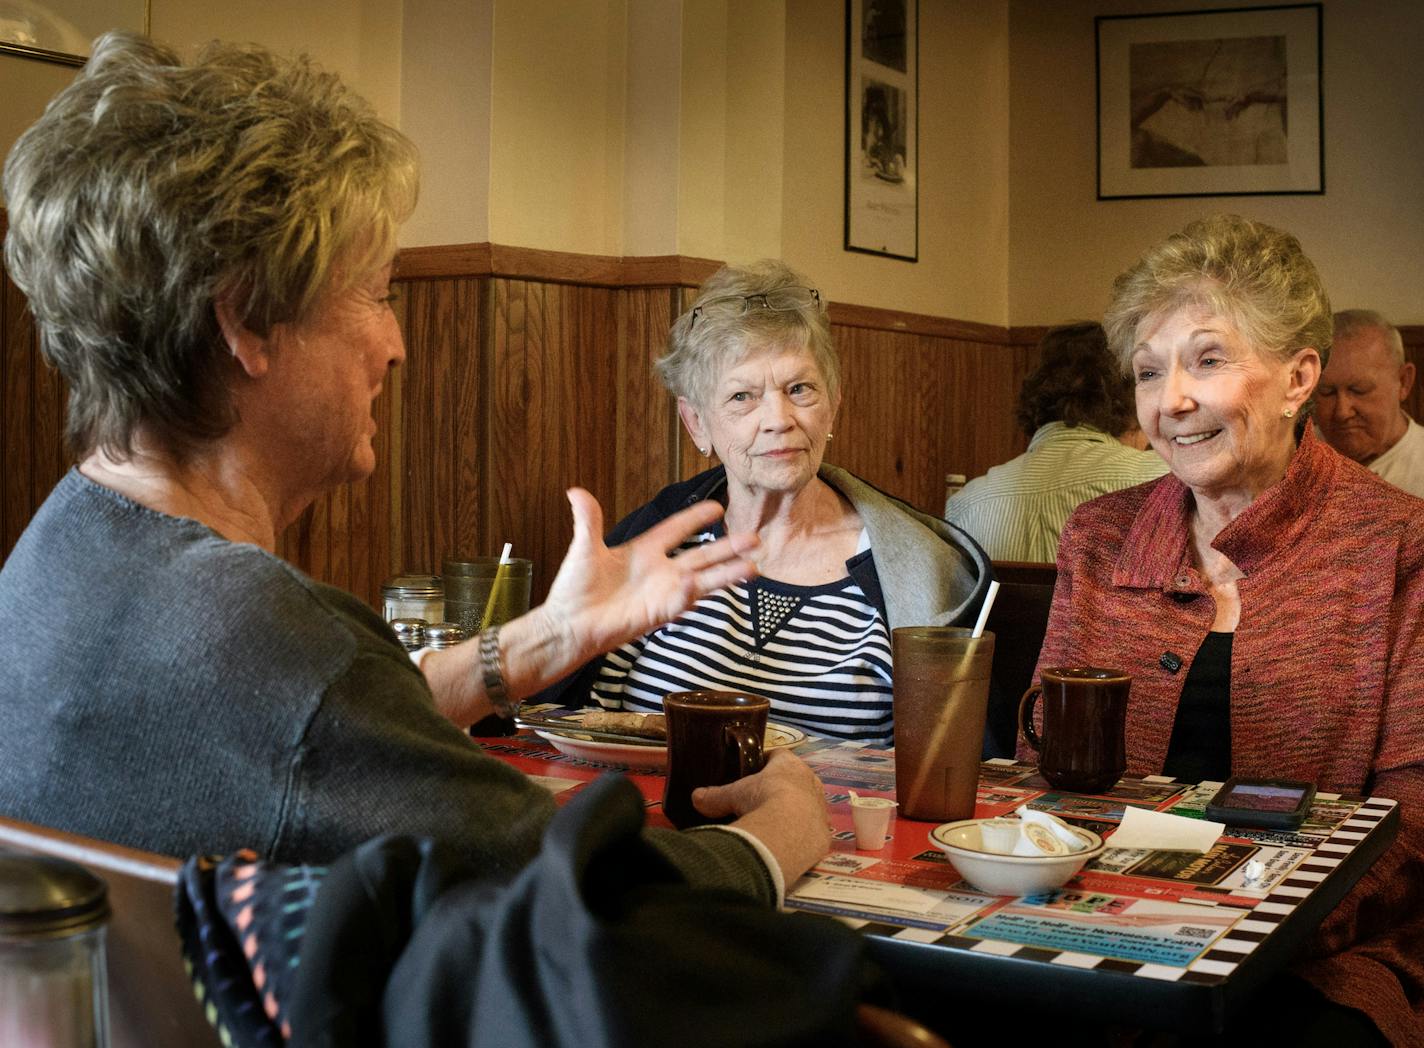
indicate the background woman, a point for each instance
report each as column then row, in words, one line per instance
column 1267, row 596
column 758, row 385
column 207, row 249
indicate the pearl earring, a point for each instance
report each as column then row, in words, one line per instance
column 703, row 452
column 1288, row 413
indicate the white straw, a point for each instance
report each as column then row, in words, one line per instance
column 984, row 611
column 499, row 573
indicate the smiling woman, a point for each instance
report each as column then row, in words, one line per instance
column 1266, row 596
column 758, row 385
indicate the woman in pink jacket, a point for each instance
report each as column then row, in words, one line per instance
column 1267, row 596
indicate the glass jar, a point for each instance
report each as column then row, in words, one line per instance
column 53, row 981
column 414, row 597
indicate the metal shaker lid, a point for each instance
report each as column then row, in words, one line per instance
column 43, row 897
column 445, row 634
column 410, row 632
column 414, row 587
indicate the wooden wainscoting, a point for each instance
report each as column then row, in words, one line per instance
column 529, row 372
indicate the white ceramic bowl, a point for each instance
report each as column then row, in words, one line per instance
column 1008, row 874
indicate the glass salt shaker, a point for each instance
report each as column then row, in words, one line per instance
column 414, row 597
column 54, row 990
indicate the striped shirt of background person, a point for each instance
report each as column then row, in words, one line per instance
column 821, row 654
column 1017, row 510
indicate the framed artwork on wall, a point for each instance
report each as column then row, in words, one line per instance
column 882, row 128
column 1210, row 103
column 63, row 30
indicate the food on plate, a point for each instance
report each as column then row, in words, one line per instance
column 643, row 725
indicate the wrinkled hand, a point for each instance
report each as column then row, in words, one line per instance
column 783, row 805
column 605, row 596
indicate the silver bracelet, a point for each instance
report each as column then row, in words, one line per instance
column 493, row 675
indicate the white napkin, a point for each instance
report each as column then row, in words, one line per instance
column 1161, row 831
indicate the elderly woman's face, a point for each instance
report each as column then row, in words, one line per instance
column 768, row 418
column 334, row 365
column 1213, row 407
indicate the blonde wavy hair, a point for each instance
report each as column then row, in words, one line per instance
column 149, row 188
column 1253, row 275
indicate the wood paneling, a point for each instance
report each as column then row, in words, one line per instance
column 1413, row 337
column 914, row 408
column 528, row 372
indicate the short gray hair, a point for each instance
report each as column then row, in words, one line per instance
column 1253, row 275
column 149, row 188
column 1350, row 322
column 698, row 352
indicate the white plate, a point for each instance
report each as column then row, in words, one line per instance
column 647, row 758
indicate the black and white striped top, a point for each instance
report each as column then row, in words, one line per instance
column 821, row 654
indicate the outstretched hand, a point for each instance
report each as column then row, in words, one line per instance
column 607, row 596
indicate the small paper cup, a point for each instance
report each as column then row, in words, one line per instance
column 871, row 816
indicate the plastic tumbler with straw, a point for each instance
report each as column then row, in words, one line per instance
column 941, row 699
column 500, row 574
column 496, row 602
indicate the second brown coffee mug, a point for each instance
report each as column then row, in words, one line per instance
column 714, row 737
column 1081, row 747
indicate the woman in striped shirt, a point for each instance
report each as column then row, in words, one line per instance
column 758, row 385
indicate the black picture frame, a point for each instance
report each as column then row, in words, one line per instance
column 62, row 31
column 882, row 201
column 1225, row 102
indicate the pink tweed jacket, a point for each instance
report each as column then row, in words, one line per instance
column 1327, row 672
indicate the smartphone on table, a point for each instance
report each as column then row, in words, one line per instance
column 1270, row 804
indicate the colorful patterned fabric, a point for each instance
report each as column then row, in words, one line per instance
column 242, row 921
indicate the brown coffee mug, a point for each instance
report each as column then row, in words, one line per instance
column 714, row 737
column 1082, row 746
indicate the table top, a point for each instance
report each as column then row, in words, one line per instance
column 1159, row 939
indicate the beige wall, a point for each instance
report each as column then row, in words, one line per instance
column 1366, row 232
column 446, row 53
column 715, row 128
column 556, row 129
column 963, row 199
column 360, row 39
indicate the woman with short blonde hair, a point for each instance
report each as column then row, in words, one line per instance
column 1266, row 596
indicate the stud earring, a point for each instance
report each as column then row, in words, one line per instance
column 703, row 452
column 1288, row 413
column 828, row 437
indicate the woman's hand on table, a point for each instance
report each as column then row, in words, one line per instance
column 783, row 806
column 604, row 597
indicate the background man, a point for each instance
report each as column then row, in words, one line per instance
column 1078, row 411
column 1358, row 401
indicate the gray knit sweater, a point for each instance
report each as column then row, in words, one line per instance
column 163, row 688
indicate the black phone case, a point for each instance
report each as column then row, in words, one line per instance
column 1265, row 820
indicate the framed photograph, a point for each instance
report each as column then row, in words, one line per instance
column 63, row 30
column 1210, row 103
column 882, row 128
